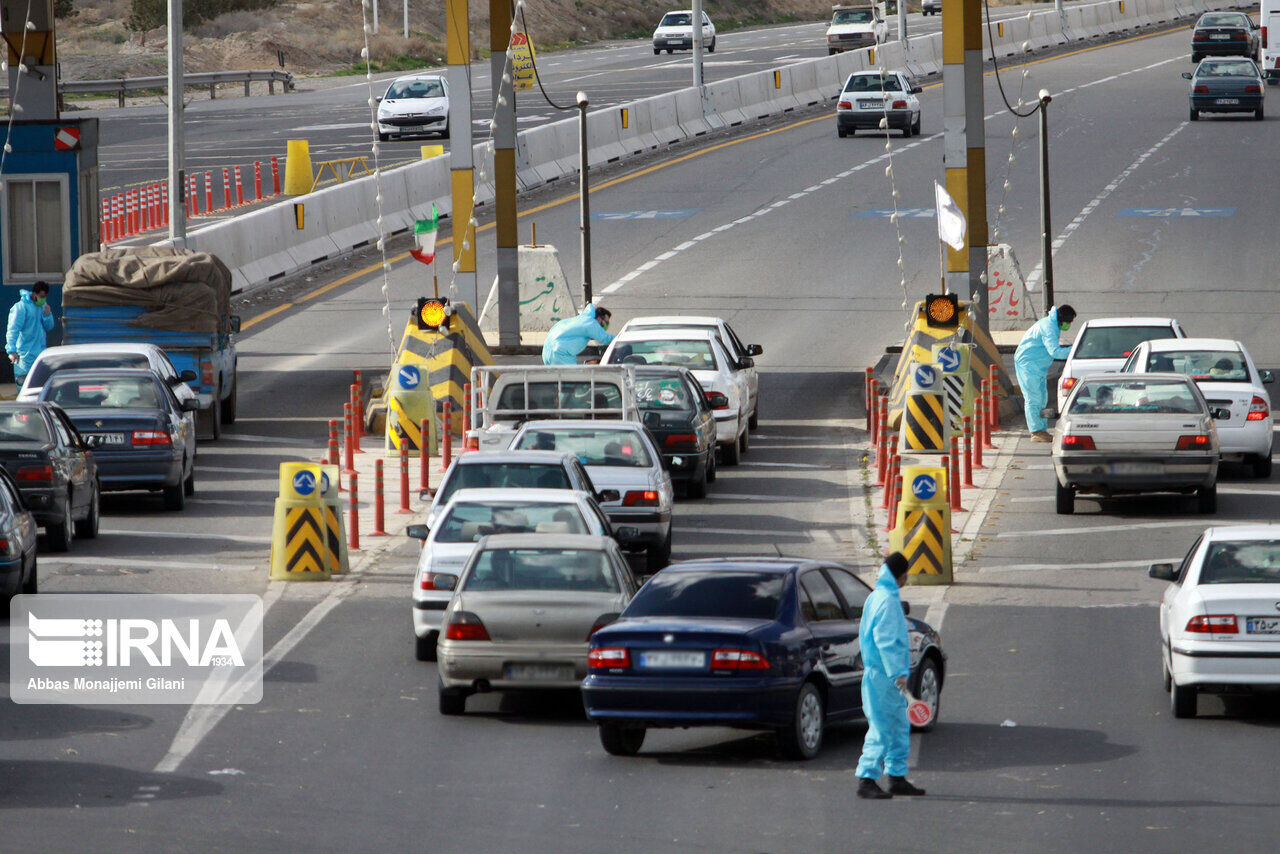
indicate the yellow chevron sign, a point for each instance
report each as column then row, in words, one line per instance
column 337, row 555
column 926, row 544
column 923, row 427
column 304, row 544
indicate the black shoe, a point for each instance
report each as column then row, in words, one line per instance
column 871, row 790
column 903, row 786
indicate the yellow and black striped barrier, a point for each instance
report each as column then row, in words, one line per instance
column 922, row 531
column 409, row 403
column 957, row 381
column 335, row 535
column 924, row 421
column 298, row 550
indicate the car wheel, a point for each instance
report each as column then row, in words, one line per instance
column 670, row 51
column 711, row 467
column 229, row 405
column 1066, row 498
column 1207, row 499
column 189, row 485
column 803, row 738
column 453, row 701
column 656, row 52
column 444, row 134
column 831, row 51
column 618, row 740
column 657, row 557
column 712, row 49
column 753, row 423
column 87, row 528
column 730, row 454
column 1182, row 700
column 841, row 132
column 744, row 442
column 59, row 535
column 1195, row 57
column 1261, row 466
column 424, row 649
column 927, row 686
column 383, row 137
column 697, row 488
column 175, row 497
column 32, row 582
column 1165, row 678
column 1259, row 115
column 915, row 128
column 1194, row 115
column 906, row 129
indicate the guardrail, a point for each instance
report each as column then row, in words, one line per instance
column 212, row 79
column 266, row 244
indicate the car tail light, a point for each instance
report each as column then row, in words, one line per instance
column 34, row 473
column 844, row 105
column 738, row 659
column 151, row 437
column 1199, row 37
column 601, row 621
column 432, row 581
column 679, row 439
column 1201, row 89
column 608, row 658
column 1264, row 36
column 1213, row 624
column 1078, row 443
column 465, row 626
column 1068, row 383
column 1258, row 410
column 1252, row 90
column 899, row 105
column 1192, row 443
column 717, row 400
column 640, row 498
column 206, row 372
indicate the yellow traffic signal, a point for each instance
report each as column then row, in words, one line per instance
column 433, row 313
column 942, row 311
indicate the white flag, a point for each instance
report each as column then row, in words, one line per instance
column 951, row 224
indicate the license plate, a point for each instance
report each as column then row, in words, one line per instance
column 675, row 41
column 1262, row 625
column 1226, row 101
column 1137, row 468
column 673, row 659
column 540, row 672
column 1221, row 37
column 871, row 105
column 108, row 438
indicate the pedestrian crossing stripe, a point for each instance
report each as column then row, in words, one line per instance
column 923, row 542
column 922, row 428
column 406, row 431
column 334, row 540
column 304, row 540
column 953, row 385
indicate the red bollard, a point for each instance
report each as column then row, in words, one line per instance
column 873, row 410
column 379, row 509
column 995, row 396
column 332, row 458
column 239, row 187
column 424, row 457
column 868, row 401
column 117, row 216
column 404, row 477
column 192, row 198
column 968, row 453
column 208, row 192
column 353, row 515
column 226, row 187
column 164, row 205
column 358, row 380
column 257, row 180
column 356, row 432
column 131, row 221
column 104, row 224
column 979, row 418
column 466, row 420
column 144, row 209
column 887, row 497
column 986, row 411
column 882, row 457
column 895, row 495
column 275, row 175
column 953, row 476
column 446, row 436
column 348, row 451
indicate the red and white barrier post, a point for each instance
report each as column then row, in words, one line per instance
column 208, row 192
column 275, row 175
column 226, row 187
column 239, row 187
column 349, row 450
column 257, row 180
column 968, row 453
column 446, row 436
column 353, row 515
column 404, row 478
column 379, row 509
column 424, row 457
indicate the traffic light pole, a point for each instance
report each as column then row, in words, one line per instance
column 461, row 162
column 1046, row 233
column 504, row 172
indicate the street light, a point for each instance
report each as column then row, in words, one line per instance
column 584, row 202
column 1046, row 236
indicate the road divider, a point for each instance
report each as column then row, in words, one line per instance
column 298, row 529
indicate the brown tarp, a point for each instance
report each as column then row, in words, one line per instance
column 182, row 290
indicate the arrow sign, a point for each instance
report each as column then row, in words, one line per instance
column 409, row 377
column 924, row 487
column 304, row 483
column 949, row 358
column 324, row 483
column 926, row 376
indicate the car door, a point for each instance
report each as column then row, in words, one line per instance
column 184, row 422
column 1171, row 614
column 704, row 422
column 87, row 471
column 169, row 374
column 24, row 524
column 735, row 375
column 68, row 462
column 908, row 88
column 837, row 638
column 747, row 361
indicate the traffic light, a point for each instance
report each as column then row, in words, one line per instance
column 432, row 314
column 942, row 311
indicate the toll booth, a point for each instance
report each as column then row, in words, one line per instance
column 48, row 208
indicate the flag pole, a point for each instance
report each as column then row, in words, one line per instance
column 942, row 265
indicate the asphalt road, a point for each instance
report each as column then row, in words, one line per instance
column 1051, row 625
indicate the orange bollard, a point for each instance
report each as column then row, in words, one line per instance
column 275, row 175
column 353, row 515
column 257, row 180
column 359, row 403
column 349, row 448
column 446, row 436
column 986, row 411
column 995, row 396
column 424, row 458
column 379, row 509
column 873, row 409
column 968, row 453
column 895, row 493
column 953, row 476
column 466, row 419
column 882, row 458
column 887, row 497
column 355, row 422
column 979, row 418
column 404, row 478
column 332, row 457
column 208, row 192
column 226, row 187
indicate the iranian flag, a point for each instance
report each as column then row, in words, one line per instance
column 424, row 232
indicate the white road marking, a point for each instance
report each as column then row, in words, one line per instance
column 262, row 472
column 746, row 532
column 1076, row 567
column 275, row 440
column 142, row 563
column 787, row 465
column 187, row 535
column 1192, row 521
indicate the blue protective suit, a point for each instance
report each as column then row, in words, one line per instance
column 570, row 336
column 1036, row 352
column 886, row 656
column 25, row 334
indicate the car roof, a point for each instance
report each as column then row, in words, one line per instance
column 580, row 424
column 509, row 456
column 876, row 73
column 1138, row 375
column 101, row 349
column 105, row 372
column 662, row 369
column 682, row 334
column 409, row 78
column 516, row 493
column 592, row 542
column 674, row 320
column 1130, row 321
column 775, row 565
column 1161, row 345
column 1219, row 533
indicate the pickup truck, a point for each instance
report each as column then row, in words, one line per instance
column 177, row 299
column 505, row 396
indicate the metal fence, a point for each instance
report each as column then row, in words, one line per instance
column 212, row 79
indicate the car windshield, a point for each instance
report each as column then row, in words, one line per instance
column 603, row 447
column 853, row 16
column 23, row 425
column 469, row 521
column 577, row 570
column 104, row 393
column 676, row 19
column 548, row 399
column 1247, row 562
column 665, row 394
column 1231, row 68
column 415, row 89
column 1223, row 366
column 696, row 355
column 43, row 367
column 748, row 595
column 504, row 476
column 1222, row 19
column 1117, row 342
column 873, row 83
column 1112, row 396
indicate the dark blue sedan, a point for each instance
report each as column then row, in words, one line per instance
column 1226, row 86
column 752, row 643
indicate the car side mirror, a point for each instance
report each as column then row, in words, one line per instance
column 1162, row 572
column 1220, row 413
column 190, row 405
column 746, row 363
column 418, row 532
column 606, row 495
column 626, row 535
column 426, row 495
column 1186, row 75
column 377, row 100
column 652, row 420
column 188, row 376
column 1267, row 377
column 1049, row 412
column 906, row 609
column 234, row 323
column 755, row 350
column 916, row 90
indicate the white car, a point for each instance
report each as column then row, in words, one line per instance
column 744, row 353
column 1220, row 615
column 1269, row 39
column 413, row 105
column 475, row 513
column 115, row 355
column 726, row 384
column 1228, row 378
column 1130, row 433
column 619, row 456
column 1104, row 343
column 869, row 96
column 510, row 470
column 854, row 27
column 675, row 32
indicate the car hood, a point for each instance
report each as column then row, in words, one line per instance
column 413, row 107
column 846, row 29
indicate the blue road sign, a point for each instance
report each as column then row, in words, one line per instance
column 1165, row 213
column 409, row 376
column 674, row 213
column 949, row 358
column 304, row 483
column 925, row 376
column 324, row 483
column 903, row 213
column 924, row 487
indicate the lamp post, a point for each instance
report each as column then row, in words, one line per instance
column 584, row 201
column 1046, row 234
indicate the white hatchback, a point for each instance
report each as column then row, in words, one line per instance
column 1220, row 615
column 1104, row 343
column 414, row 105
column 114, row 355
column 675, row 32
column 869, row 97
column 1225, row 373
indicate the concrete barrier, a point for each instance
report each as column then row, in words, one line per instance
column 804, row 84
column 689, row 114
column 723, row 99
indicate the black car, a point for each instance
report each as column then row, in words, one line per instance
column 1224, row 34
column 142, row 436
column 54, row 468
column 1226, row 86
column 676, row 412
column 18, row 533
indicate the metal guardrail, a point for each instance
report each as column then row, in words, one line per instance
column 122, row 85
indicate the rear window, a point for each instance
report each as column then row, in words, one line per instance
column 873, row 83
column 853, row 16
column 1223, row 19
column 468, row 522
column 694, row 355
column 664, row 394
column 1223, row 366
column 577, row 570
column 1104, row 396
column 23, row 425
column 505, row 476
column 1249, row 562
column 43, row 367
column 1117, row 342
column 549, row 399
column 105, row 393
column 602, row 447
column 1238, row 68
column 748, row 595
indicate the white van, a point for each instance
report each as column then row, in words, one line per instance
column 1269, row 40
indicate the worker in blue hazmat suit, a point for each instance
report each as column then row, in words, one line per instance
column 30, row 320
column 886, row 665
column 1036, row 352
column 570, row 336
